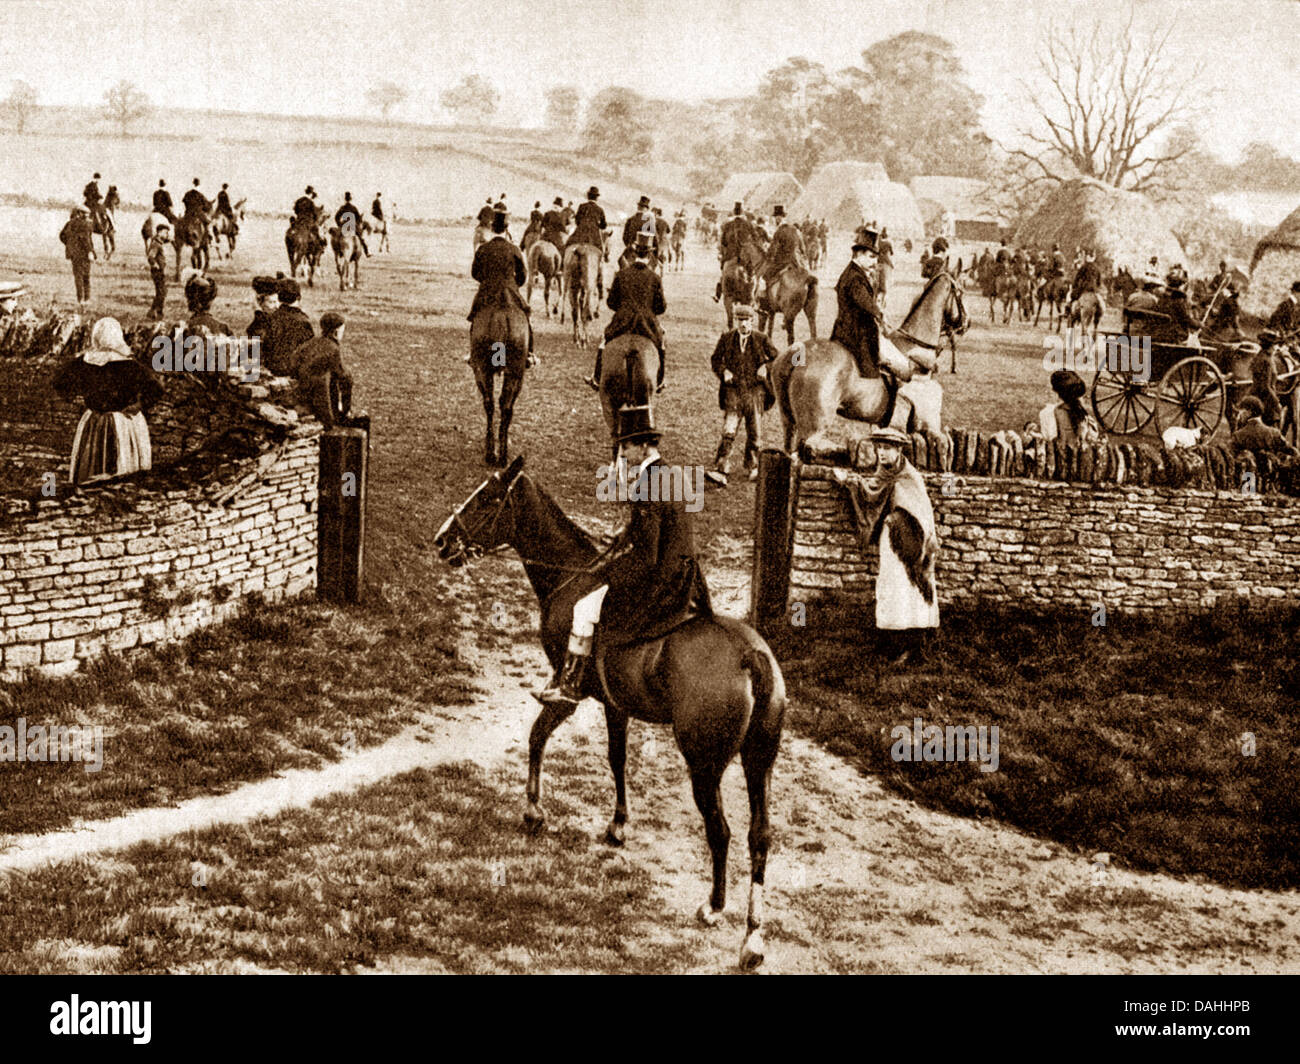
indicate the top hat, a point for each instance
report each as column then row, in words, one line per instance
column 739, row 208
column 310, row 191
column 778, row 211
column 643, row 203
column 1295, row 286
column 642, row 245
column 636, row 425
column 593, row 193
column 558, row 202
column 866, row 239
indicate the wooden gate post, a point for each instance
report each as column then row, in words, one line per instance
column 341, row 514
column 771, row 578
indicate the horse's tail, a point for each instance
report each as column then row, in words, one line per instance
column 638, row 386
column 767, row 685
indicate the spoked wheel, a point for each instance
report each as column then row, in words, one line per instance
column 1122, row 404
column 1192, row 394
column 1288, row 372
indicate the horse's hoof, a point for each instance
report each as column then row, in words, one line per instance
column 534, row 819
column 708, row 915
column 753, row 952
column 614, row 834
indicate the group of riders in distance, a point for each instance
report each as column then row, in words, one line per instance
column 199, row 231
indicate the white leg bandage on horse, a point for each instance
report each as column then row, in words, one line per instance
column 586, row 613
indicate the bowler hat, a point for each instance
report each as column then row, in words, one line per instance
column 593, row 193
column 636, row 425
column 558, row 202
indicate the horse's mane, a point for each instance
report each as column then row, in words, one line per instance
column 916, row 304
column 562, row 520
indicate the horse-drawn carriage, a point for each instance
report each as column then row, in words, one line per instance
column 1182, row 386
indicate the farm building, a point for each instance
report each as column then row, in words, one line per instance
column 1124, row 228
column 759, row 191
column 847, row 194
column 1274, row 266
column 959, row 201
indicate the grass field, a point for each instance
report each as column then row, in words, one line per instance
column 1119, row 739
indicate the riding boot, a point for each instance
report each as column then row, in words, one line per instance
column 717, row 293
column 721, row 462
column 594, row 379
column 565, row 687
column 659, row 380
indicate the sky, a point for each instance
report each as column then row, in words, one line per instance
column 320, row 56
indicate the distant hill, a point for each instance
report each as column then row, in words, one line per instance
column 425, row 172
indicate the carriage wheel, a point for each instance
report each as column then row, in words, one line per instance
column 1288, row 372
column 1192, row 395
column 1122, row 405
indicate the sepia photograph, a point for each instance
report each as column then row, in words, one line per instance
column 650, row 488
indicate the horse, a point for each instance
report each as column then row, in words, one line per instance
column 305, row 246
column 792, row 291
column 737, row 287
column 816, row 379
column 347, row 255
column 628, row 371
column 1053, row 293
column 101, row 223
column 1086, row 312
column 584, row 282
column 371, row 224
column 498, row 343
column 1007, row 292
column 988, row 281
column 227, row 226
column 191, row 234
column 714, row 679
column 544, row 257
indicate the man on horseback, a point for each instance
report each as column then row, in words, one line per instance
column 858, row 323
column 637, row 299
column 937, row 261
column 662, row 233
column 589, row 224
column 1087, row 278
column 553, row 225
column 736, row 233
column 94, row 204
column 162, row 202
column 348, row 218
column 499, row 269
column 785, row 250
column 304, row 207
column 643, row 220
column 651, row 575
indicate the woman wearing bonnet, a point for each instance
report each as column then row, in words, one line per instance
column 112, row 438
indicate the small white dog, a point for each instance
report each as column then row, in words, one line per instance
column 1175, row 438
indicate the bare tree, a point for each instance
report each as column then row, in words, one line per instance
column 125, row 105
column 383, row 96
column 19, row 106
column 1105, row 102
column 473, row 100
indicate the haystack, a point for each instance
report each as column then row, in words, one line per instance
column 847, row 194
column 1274, row 267
column 1124, row 228
column 759, row 191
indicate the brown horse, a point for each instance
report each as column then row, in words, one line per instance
column 818, row 379
column 714, row 679
column 498, row 344
column 347, row 256
column 793, row 291
column 544, row 258
column 737, row 287
column 191, row 236
column 305, row 246
column 1086, row 312
column 228, row 227
column 584, row 282
column 628, row 371
column 101, row 224
column 1052, row 293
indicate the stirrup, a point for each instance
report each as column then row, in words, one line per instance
column 592, row 382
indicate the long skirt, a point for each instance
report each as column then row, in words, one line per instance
column 109, row 445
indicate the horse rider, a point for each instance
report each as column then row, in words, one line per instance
column 568, row 214
column 637, row 299
column 590, row 226
column 499, row 269
column 662, row 232
column 1058, row 261
column 736, row 233
column 786, row 249
column 349, row 215
column 642, row 221
column 535, row 217
column 1087, row 278
column 679, row 226
column 553, row 225
column 224, row 206
column 859, row 319
column 937, row 261
column 162, row 202
column 1003, row 257
column 194, row 201
column 650, row 578
column 485, row 214
column 1285, row 319
column 377, row 210
column 94, row 203
column 1173, row 304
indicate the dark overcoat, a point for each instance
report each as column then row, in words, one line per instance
column 637, row 299
column 499, row 269
column 744, row 366
column 857, row 324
